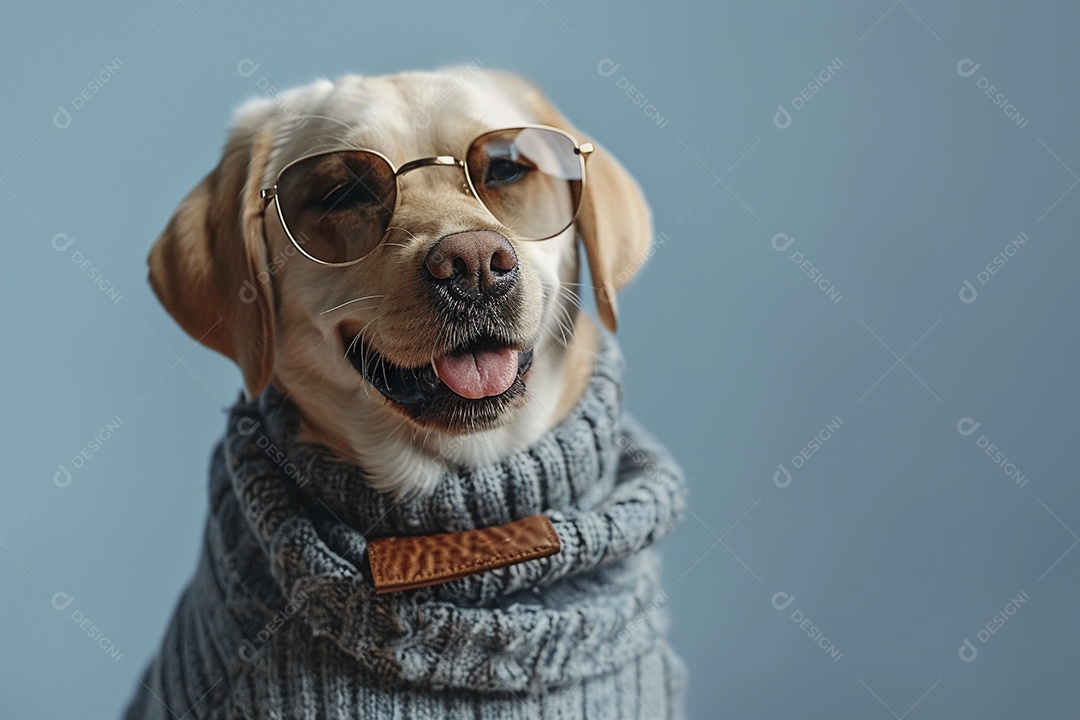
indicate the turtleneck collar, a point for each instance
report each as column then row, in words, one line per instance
column 609, row 490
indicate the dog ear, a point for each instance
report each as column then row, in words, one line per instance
column 209, row 266
column 615, row 226
column 614, row 220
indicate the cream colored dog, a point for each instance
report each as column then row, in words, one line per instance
column 455, row 339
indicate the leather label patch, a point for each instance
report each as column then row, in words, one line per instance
column 408, row 562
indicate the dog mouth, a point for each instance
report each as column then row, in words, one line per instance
column 469, row 388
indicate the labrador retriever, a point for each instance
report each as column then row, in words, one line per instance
column 395, row 261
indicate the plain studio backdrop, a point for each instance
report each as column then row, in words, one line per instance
column 858, row 331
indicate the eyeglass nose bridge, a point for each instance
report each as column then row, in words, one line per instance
column 445, row 160
column 439, row 161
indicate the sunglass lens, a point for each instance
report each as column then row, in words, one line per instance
column 338, row 205
column 530, row 179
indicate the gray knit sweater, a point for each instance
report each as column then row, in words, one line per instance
column 281, row 619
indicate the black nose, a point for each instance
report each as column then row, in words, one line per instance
column 474, row 263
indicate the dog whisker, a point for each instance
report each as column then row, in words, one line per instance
column 571, row 297
column 570, row 294
column 382, row 364
column 350, row 302
column 559, row 315
column 404, row 230
column 565, row 328
column 586, row 286
column 560, row 338
column 356, row 339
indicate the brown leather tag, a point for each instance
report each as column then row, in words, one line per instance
column 404, row 563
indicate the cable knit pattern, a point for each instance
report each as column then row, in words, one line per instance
column 282, row 620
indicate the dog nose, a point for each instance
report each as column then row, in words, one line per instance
column 473, row 263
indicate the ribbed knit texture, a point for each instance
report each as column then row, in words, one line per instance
column 282, row 621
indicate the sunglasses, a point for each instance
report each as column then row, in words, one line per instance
column 336, row 206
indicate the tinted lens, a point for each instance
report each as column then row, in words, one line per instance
column 530, row 179
column 338, row 205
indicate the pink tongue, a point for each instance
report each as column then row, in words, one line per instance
column 479, row 374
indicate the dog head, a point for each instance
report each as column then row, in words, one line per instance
column 456, row 338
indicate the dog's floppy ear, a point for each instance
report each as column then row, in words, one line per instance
column 615, row 226
column 209, row 266
column 614, row 221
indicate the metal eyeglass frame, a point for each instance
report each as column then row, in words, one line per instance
column 582, row 150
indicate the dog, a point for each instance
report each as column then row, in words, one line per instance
column 395, row 260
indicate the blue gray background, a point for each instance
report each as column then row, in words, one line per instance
column 899, row 179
